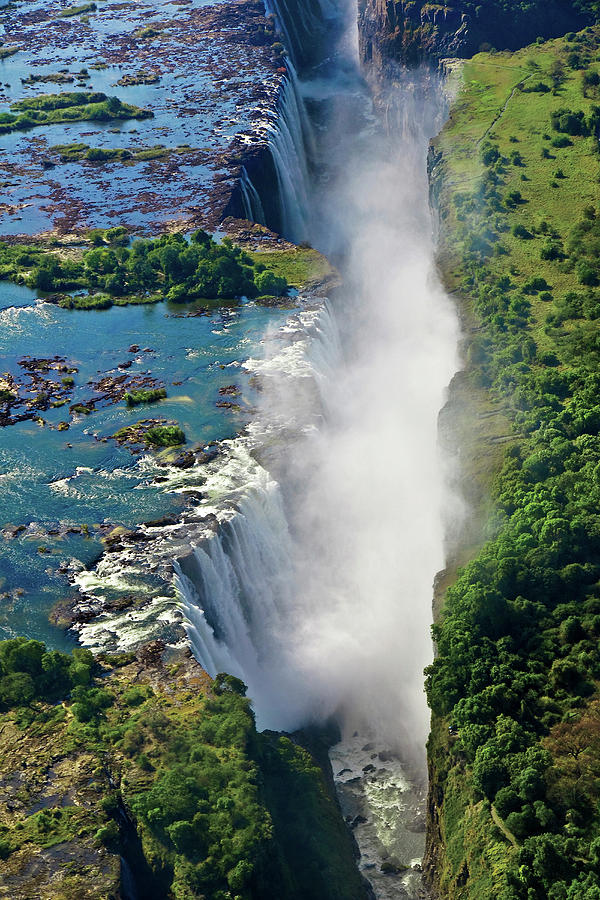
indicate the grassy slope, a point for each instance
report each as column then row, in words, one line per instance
column 492, row 107
column 476, row 854
column 303, row 268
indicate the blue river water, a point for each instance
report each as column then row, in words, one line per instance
column 62, row 490
column 51, row 480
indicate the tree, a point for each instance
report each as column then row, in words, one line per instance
column 269, row 283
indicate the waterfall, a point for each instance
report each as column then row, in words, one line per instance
column 316, row 589
column 236, row 595
column 301, row 24
column 289, row 139
column 253, row 208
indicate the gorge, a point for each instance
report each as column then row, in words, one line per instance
column 304, row 564
column 252, row 461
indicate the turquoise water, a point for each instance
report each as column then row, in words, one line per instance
column 45, row 484
column 211, row 88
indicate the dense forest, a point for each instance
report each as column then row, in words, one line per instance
column 515, row 746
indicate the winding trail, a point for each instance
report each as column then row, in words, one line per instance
column 507, row 834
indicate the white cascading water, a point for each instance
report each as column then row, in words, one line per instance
column 253, row 208
column 300, row 23
column 318, row 592
column 238, row 589
column 289, row 140
column 361, row 478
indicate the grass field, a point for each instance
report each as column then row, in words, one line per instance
column 302, row 267
column 497, row 107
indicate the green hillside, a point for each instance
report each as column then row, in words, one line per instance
column 143, row 757
column 515, row 746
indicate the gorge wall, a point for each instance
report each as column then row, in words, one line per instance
column 511, row 814
column 413, row 31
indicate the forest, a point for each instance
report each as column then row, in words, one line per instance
column 169, row 763
column 150, row 269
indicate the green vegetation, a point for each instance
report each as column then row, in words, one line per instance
column 301, row 267
column 70, row 106
column 80, row 409
column 147, row 271
column 208, row 797
column 77, row 152
column 515, row 744
column 157, row 433
column 103, row 301
column 165, row 436
column 77, row 10
column 86, row 301
column 134, row 398
column 147, row 33
column 30, row 673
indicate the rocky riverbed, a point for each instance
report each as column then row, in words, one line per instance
column 207, row 75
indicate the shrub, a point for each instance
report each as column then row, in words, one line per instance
column 269, row 283
column 550, row 250
column 521, row 232
column 586, row 274
column 108, row 834
column 165, row 436
column 28, row 671
column 561, row 141
column 535, row 284
column 513, row 198
column 134, row 398
column 489, row 153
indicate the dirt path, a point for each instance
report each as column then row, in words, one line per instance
column 507, row 834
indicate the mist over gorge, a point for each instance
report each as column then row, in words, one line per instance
column 363, row 480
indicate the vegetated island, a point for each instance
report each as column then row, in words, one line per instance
column 70, row 106
column 141, row 761
column 514, row 750
column 150, row 270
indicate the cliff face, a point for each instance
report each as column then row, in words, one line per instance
column 415, row 31
column 409, row 31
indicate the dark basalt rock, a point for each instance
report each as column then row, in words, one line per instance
column 411, row 31
column 185, row 460
column 160, row 523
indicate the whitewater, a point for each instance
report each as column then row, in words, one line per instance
column 317, row 590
